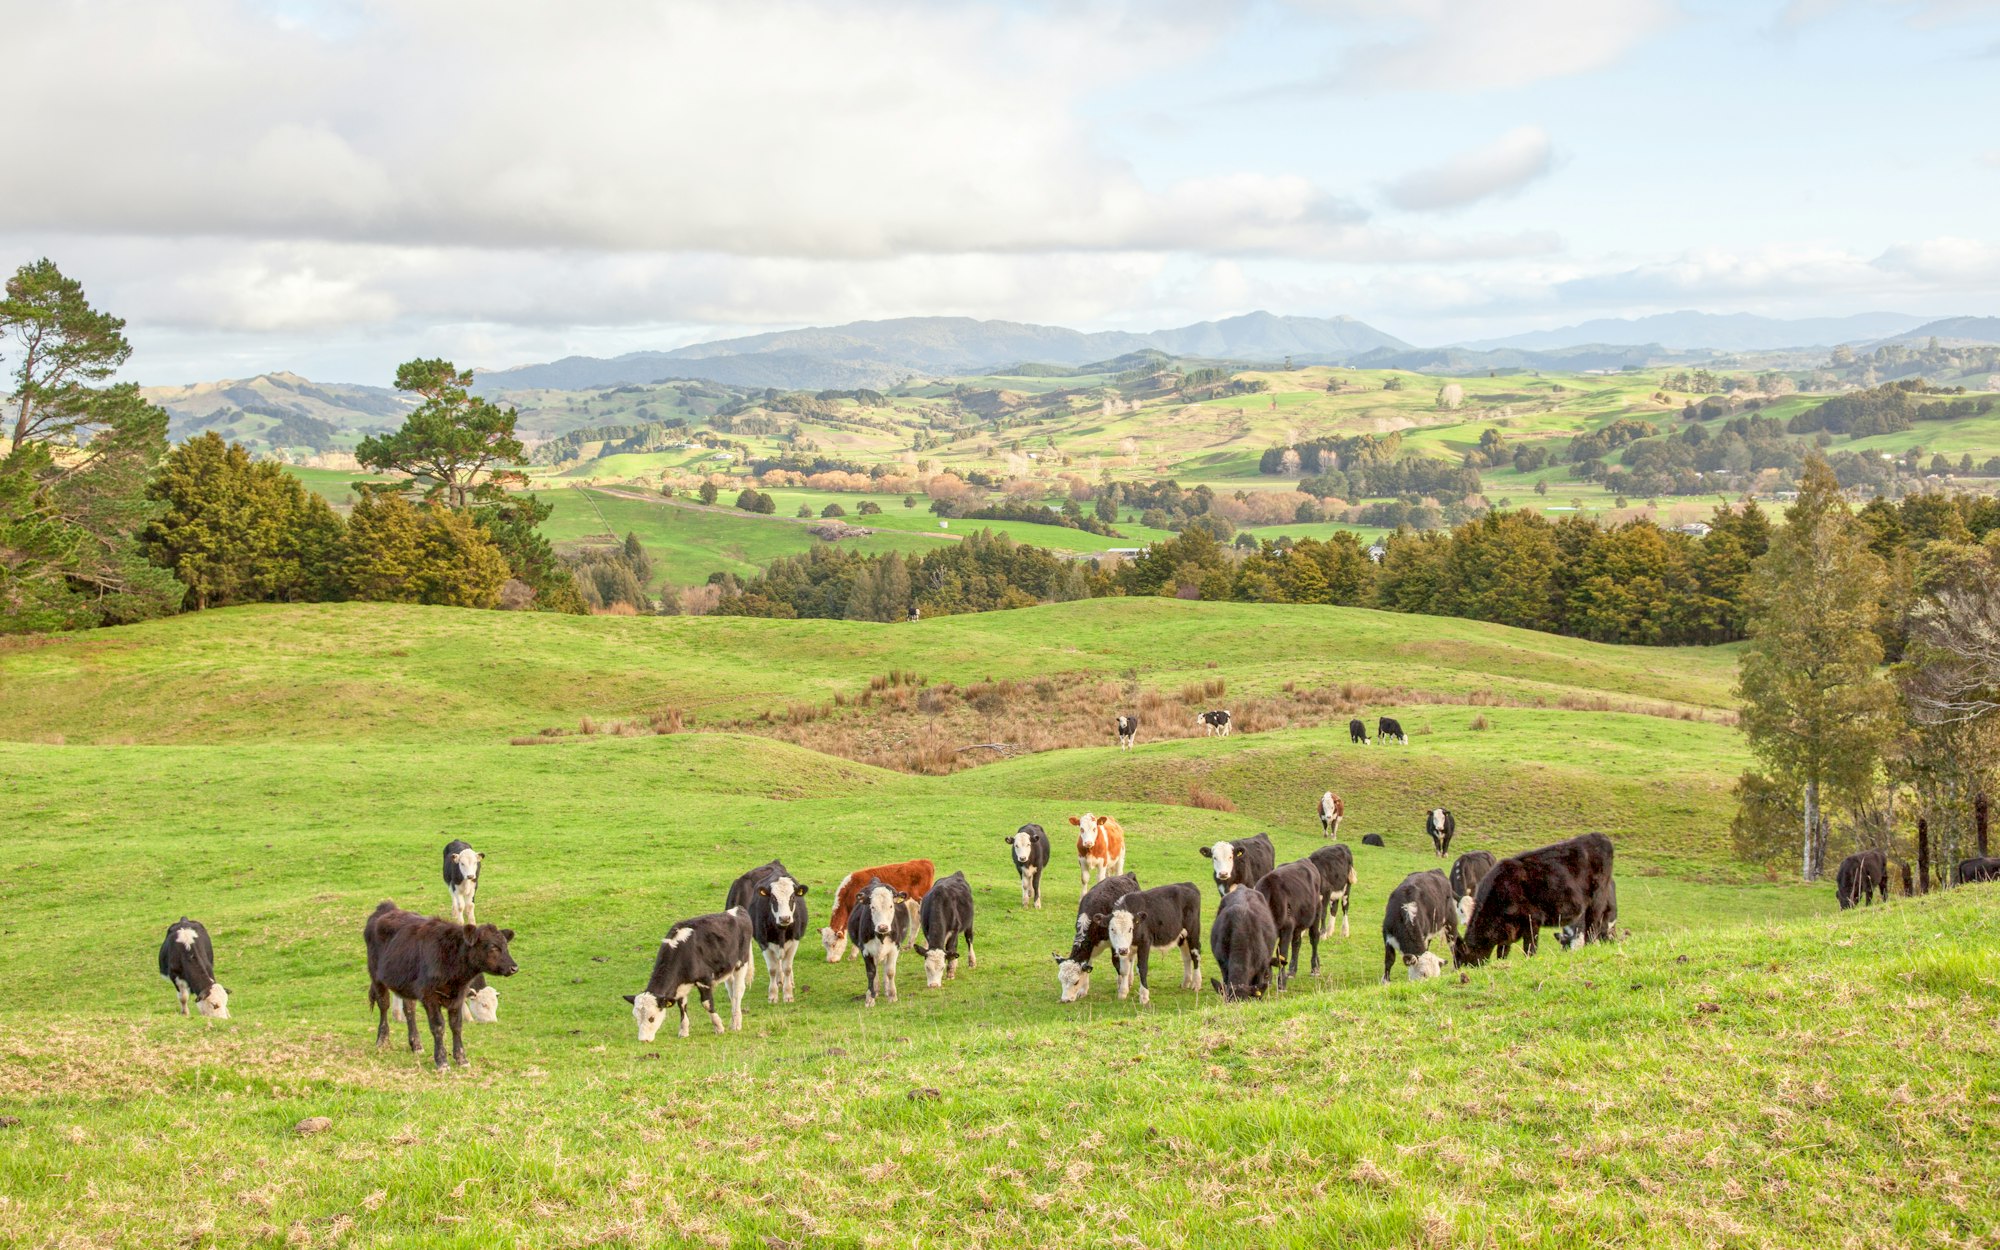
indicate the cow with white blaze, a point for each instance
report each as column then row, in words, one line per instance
column 775, row 902
column 187, row 961
column 1093, row 918
column 1440, row 824
column 1146, row 920
column 1337, row 879
column 461, row 878
column 1029, row 845
column 1128, row 732
column 879, row 927
column 945, row 916
column 1100, row 844
column 1241, row 863
column 912, row 877
column 696, row 956
column 1419, row 910
column 1241, row 939
column 1331, row 812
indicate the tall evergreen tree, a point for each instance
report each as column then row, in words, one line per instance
column 236, row 531
column 455, row 446
column 62, row 346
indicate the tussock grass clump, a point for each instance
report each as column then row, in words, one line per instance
column 1201, row 796
column 1481, row 723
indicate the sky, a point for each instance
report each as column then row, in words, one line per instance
column 331, row 188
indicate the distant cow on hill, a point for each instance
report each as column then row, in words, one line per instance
column 1440, row 824
column 1100, row 844
column 1357, row 732
column 1128, row 732
column 1860, row 878
column 187, row 961
column 1976, row 870
column 944, row 917
column 1336, row 885
column 1029, row 845
column 1293, row 892
column 912, row 877
column 697, row 955
column 1467, row 871
column 461, row 878
column 1420, row 909
column 1093, row 920
column 1331, row 811
column 774, row 900
column 1371, row 839
column 1241, row 940
column 1148, row 920
column 1242, row 863
column 431, row 962
column 1388, row 728
column 1215, row 722
column 1565, row 884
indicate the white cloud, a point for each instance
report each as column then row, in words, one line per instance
column 1499, row 168
column 1919, row 13
column 1472, row 45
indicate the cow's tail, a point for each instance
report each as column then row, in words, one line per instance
column 1353, row 877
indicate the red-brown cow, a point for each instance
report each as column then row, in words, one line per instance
column 1100, row 844
column 912, row 877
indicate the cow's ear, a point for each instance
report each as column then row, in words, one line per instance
column 1208, row 852
column 799, row 889
column 763, row 892
column 470, row 932
column 508, row 934
column 482, row 857
column 1102, row 917
column 1060, row 957
column 1083, row 967
column 630, row 998
column 902, row 896
column 1074, row 821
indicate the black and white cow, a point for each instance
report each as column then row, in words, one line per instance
column 1145, row 920
column 1331, row 812
column 945, row 915
column 1861, row 876
column 1440, row 824
column 1029, row 846
column 187, row 961
column 775, row 902
column 1419, row 910
column 1241, row 940
column 698, row 955
column 1337, row 879
column 461, row 877
column 1128, row 732
column 1093, row 918
column 1357, row 732
column 1467, row 871
column 1216, row 722
column 879, row 927
column 1371, row 839
column 1241, row 863
column 1387, row 728
column 1293, row 891
column 1567, row 884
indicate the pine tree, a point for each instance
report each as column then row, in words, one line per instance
column 234, row 531
column 399, row 552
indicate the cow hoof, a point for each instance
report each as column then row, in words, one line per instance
column 868, row 1001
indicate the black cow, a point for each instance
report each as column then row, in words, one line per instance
column 1216, row 722
column 1242, row 940
column 1566, row 884
column 1387, row 727
column 1467, row 871
column 1371, row 839
column 1293, row 891
column 1093, row 917
column 1440, row 825
column 1972, row 871
column 1336, row 885
column 1860, row 878
column 431, row 962
column 775, row 902
column 1159, row 918
column 1419, row 909
column 1607, row 930
column 879, row 927
column 461, row 878
column 187, row 961
column 1241, row 863
column 698, row 955
column 946, row 913
column 482, row 1001
column 1357, row 731
column 1128, row 732
column 1029, row 846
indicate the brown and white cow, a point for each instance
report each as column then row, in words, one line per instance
column 1100, row 844
column 1331, row 810
column 911, row 877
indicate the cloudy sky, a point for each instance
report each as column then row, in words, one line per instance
column 333, row 187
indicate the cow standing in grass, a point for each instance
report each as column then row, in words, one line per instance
column 1241, row 940
column 1389, row 729
column 1242, row 863
column 879, row 927
column 482, row 1001
column 775, row 902
column 1093, row 919
column 1420, row 909
column 1147, row 920
column 187, row 961
column 1331, row 811
column 1100, row 844
column 697, row 955
column 1860, row 878
column 945, row 916
column 1293, row 893
column 1128, row 732
column 1974, row 871
column 1357, row 732
column 1467, row 871
column 1337, row 879
column 461, row 879
column 1440, row 825
column 1029, row 845
column 1568, row 885
column 912, row 877
column 1215, row 722
column 431, row 962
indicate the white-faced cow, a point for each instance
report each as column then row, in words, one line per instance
column 696, row 956
column 430, row 962
column 1440, row 824
column 1419, row 910
column 187, row 961
column 1567, row 884
column 1388, row 728
column 1467, row 871
column 1216, row 723
column 879, row 927
column 1093, row 913
column 1861, row 877
column 946, row 915
column 1337, row 879
column 1128, row 732
column 1357, row 732
column 1156, row 919
column 1241, row 940
column 1331, row 812
column 1242, row 863
column 461, row 878
column 1293, row 892
column 775, row 902
column 1100, row 844
column 1029, row 845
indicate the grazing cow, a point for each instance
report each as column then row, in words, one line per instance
column 1331, row 810
column 1030, row 847
column 1093, row 912
column 1216, row 723
column 1440, row 825
column 1565, row 884
column 1357, row 731
column 1860, row 877
column 1241, row 863
column 946, row 913
column 1145, row 920
column 698, row 954
column 1336, row 885
column 1387, row 727
column 1969, row 871
column 775, row 902
column 1128, row 732
column 1293, row 891
column 1419, row 909
column 1607, row 930
column 461, row 878
column 430, row 962
column 912, row 877
column 1467, row 871
column 1371, row 839
column 482, row 1001
column 187, row 961
column 1242, row 940
column 1100, row 844
column 879, row 927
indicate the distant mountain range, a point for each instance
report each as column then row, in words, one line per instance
column 281, row 412
column 1724, row 332
column 1953, row 331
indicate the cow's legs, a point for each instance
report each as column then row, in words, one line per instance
column 1084, row 865
column 971, row 959
column 1145, row 959
column 457, row 1019
column 1388, row 961
column 682, row 1003
column 890, row 957
column 410, row 1006
column 774, row 971
column 791, row 968
column 1346, row 901
column 435, row 1014
column 739, row 985
column 378, row 994
column 868, row 964
column 1313, row 935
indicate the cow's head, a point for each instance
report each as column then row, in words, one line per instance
column 835, row 942
column 882, row 901
column 468, row 863
column 651, row 1012
column 1086, row 830
column 215, row 1003
column 783, row 893
column 1118, row 927
column 933, row 966
column 1235, row 992
column 482, row 1006
column 486, row 949
column 1468, row 952
column 1023, row 843
column 1072, row 977
column 1224, row 855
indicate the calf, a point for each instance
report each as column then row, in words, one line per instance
column 187, row 961
column 1357, row 732
column 430, row 962
column 1128, row 732
column 1030, row 848
column 1331, row 810
column 1388, row 727
column 1860, row 878
column 461, row 878
column 1162, row 917
column 912, row 877
column 697, row 954
column 1242, row 940
column 1565, row 884
column 1216, row 723
column 1241, row 863
column 1336, row 885
column 879, row 927
column 1293, row 892
column 1419, row 909
column 482, row 1001
column 1093, row 912
column 1467, row 871
column 946, row 913
column 775, row 902
column 1100, row 844
column 1439, row 824
column 1968, row 871
column 1371, row 839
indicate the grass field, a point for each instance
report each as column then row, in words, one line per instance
column 1748, row 1067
